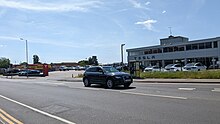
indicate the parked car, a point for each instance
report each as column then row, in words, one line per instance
column 14, row 71
column 152, row 69
column 29, row 72
column 107, row 76
column 213, row 66
column 194, row 67
column 63, row 68
column 11, row 72
column 173, row 67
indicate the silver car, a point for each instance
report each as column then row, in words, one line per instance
column 194, row 67
column 173, row 67
column 152, row 69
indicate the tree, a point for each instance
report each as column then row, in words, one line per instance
column 83, row 62
column 4, row 62
column 36, row 59
column 93, row 60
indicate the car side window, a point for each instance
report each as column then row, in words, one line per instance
column 91, row 70
column 99, row 70
column 198, row 64
column 178, row 66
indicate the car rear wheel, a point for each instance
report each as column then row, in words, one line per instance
column 86, row 82
column 109, row 84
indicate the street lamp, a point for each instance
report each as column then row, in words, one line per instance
column 26, row 52
column 122, row 54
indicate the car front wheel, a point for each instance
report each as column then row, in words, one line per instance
column 126, row 85
column 86, row 82
column 109, row 84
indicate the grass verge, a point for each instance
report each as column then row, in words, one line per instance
column 182, row 75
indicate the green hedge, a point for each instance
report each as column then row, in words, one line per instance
column 183, row 75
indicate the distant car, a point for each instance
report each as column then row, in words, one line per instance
column 214, row 67
column 119, row 68
column 13, row 71
column 152, row 69
column 173, row 67
column 194, row 67
column 107, row 76
column 63, row 68
column 29, row 72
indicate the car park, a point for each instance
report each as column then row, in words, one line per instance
column 194, row 67
column 152, row 69
column 173, row 67
column 107, row 76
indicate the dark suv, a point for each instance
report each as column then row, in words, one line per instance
column 107, row 76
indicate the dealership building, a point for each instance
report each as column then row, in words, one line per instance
column 177, row 49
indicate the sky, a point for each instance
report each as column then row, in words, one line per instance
column 73, row 30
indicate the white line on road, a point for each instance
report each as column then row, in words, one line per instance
column 188, row 89
column 216, row 90
column 154, row 95
column 38, row 111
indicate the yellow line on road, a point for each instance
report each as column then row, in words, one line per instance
column 7, row 117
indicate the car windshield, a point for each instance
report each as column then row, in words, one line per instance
column 170, row 65
column 110, row 69
column 190, row 64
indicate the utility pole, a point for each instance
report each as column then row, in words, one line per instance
column 26, row 52
column 122, row 54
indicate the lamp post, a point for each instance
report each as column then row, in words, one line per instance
column 26, row 52
column 122, row 54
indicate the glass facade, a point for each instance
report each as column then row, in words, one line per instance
column 198, row 51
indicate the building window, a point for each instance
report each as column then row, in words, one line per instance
column 215, row 44
column 181, row 48
column 155, row 51
column 159, row 50
column 201, row 46
column 148, row 52
column 170, row 49
column 165, row 49
column 208, row 45
column 175, row 48
column 194, row 46
column 188, row 47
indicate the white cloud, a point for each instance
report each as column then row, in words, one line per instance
column 82, row 6
column 138, row 5
column 147, row 3
column 164, row 11
column 2, row 45
column 147, row 24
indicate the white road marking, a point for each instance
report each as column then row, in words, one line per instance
column 38, row 111
column 84, row 88
column 216, row 90
column 154, row 95
column 188, row 89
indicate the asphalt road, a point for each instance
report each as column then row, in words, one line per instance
column 37, row 101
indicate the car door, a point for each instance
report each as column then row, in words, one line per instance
column 100, row 77
column 95, row 75
column 90, row 74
